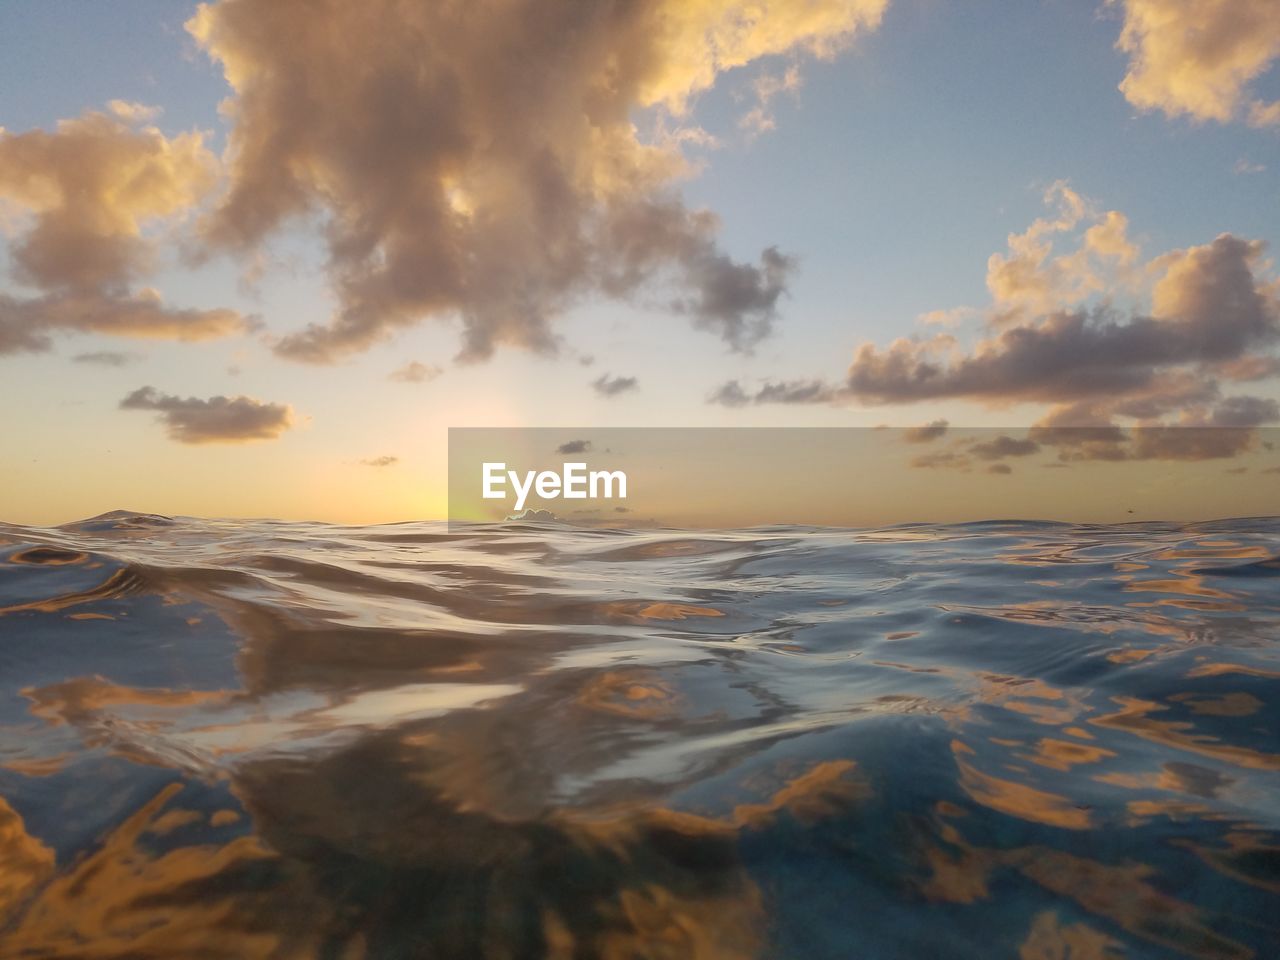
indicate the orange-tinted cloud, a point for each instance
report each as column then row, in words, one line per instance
column 484, row 161
column 1202, row 317
column 1030, row 280
column 88, row 189
column 1198, row 58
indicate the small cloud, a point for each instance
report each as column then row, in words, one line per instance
column 732, row 394
column 947, row 318
column 380, row 462
column 1245, row 166
column 760, row 119
column 108, row 358
column 574, row 446
column 729, row 394
column 945, row 459
column 534, row 516
column 1000, row 468
column 215, row 420
column 608, row 386
column 1004, row 446
column 795, row 391
column 1237, row 470
column 132, row 112
column 415, row 372
column 925, row 434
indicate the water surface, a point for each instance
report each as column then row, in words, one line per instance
column 264, row 739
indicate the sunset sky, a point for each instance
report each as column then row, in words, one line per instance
column 259, row 257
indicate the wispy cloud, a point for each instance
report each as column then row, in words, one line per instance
column 108, row 358
column 608, row 386
column 733, row 394
column 415, row 372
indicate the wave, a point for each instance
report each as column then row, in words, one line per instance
column 277, row 739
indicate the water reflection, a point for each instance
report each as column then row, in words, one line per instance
column 289, row 740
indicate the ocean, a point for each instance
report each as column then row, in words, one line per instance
column 269, row 739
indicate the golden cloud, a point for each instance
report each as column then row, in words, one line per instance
column 88, row 189
column 1199, row 58
column 485, row 161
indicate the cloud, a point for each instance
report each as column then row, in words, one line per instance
column 944, row 459
column 1208, row 307
column 25, row 324
column 608, row 386
column 729, row 394
column 759, row 119
column 574, row 446
column 215, row 420
column 1246, row 166
column 1029, row 280
column 965, row 449
column 1004, row 446
column 1199, row 59
column 380, row 462
column 1202, row 318
column 952, row 317
column 493, row 166
column 89, row 188
column 737, row 301
column 133, row 112
column 732, row 394
column 415, row 372
column 107, row 358
column 926, row 433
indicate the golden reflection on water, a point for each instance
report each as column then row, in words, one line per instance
column 511, row 758
column 610, row 884
column 1050, row 939
column 1017, row 799
column 1134, row 717
column 956, row 871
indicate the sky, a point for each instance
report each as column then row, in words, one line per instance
column 257, row 258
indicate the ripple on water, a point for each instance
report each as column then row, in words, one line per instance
column 284, row 739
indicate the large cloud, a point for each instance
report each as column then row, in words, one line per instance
column 88, row 189
column 482, row 160
column 1202, row 318
column 1198, row 58
column 1209, row 310
column 215, row 420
